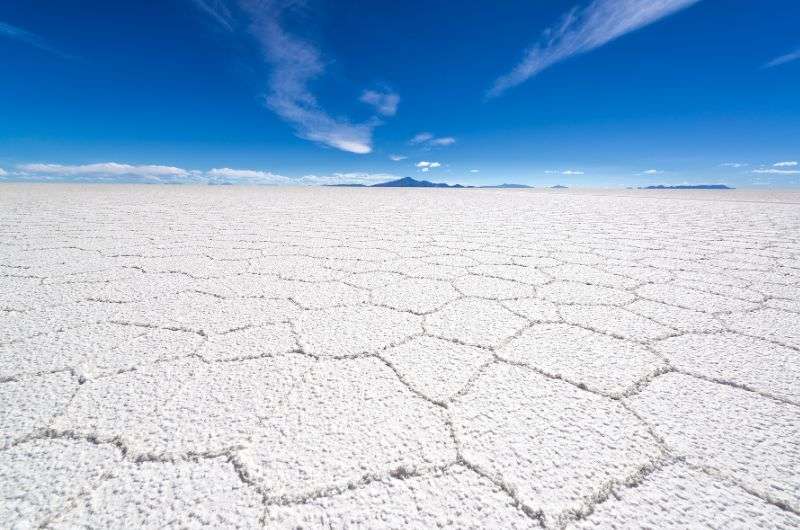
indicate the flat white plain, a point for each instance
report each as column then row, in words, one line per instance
column 386, row 358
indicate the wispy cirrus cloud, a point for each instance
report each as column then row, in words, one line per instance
column 397, row 158
column 217, row 10
column 429, row 140
column 385, row 103
column 31, row 39
column 783, row 59
column 295, row 63
column 3, row 172
column 734, row 165
column 788, row 163
column 584, row 29
column 652, row 172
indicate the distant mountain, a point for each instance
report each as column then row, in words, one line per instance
column 558, row 187
column 509, row 186
column 689, row 187
column 408, row 182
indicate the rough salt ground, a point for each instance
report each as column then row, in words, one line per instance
column 398, row 358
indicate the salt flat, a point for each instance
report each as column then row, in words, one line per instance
column 265, row 357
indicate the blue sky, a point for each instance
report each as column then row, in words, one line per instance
column 582, row 93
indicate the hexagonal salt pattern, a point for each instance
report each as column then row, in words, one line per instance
column 398, row 358
column 553, row 444
column 678, row 496
column 457, row 498
column 739, row 434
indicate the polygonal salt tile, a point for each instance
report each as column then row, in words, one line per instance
column 257, row 341
column 354, row 330
column 581, row 293
column 203, row 494
column 678, row 497
column 454, row 260
column 555, row 445
column 692, row 298
column 747, row 437
column 534, row 309
column 41, row 478
column 474, row 321
column 29, row 404
column 786, row 305
column 457, row 497
column 362, row 414
column 517, row 273
column 96, row 349
column 185, row 407
column 615, row 321
column 535, row 261
column 202, row 312
column 755, row 363
column 415, row 295
column 773, row 324
column 727, row 291
column 599, row 362
column 640, row 274
column 590, row 275
column 295, row 268
column 373, row 280
column 675, row 317
column 327, row 294
column 436, row 368
column 419, row 269
column 494, row 288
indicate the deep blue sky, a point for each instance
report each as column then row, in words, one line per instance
column 706, row 91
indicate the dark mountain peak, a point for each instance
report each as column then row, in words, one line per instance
column 408, row 182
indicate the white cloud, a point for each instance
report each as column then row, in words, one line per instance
column 572, row 172
column 777, row 171
column 783, row 59
column 442, row 142
column 652, row 172
column 3, row 172
column 107, row 171
column 385, row 103
column 247, row 176
column 426, row 166
column 428, row 139
column 421, row 138
column 295, row 64
column 397, row 158
column 115, row 172
column 733, row 164
column 790, row 163
column 474, row 170
column 583, row 30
